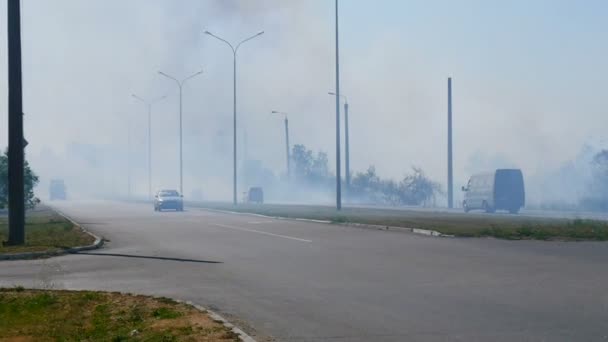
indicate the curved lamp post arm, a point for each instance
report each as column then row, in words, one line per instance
column 158, row 99
column 178, row 82
column 139, row 98
column 248, row 39
column 170, row 77
column 191, row 76
column 223, row 40
column 341, row 96
column 280, row 113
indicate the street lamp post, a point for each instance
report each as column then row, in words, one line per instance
column 286, row 142
column 180, row 85
column 128, row 158
column 149, row 106
column 450, row 168
column 346, row 140
column 234, row 52
column 338, row 175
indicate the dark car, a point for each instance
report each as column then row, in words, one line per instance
column 168, row 199
column 255, row 195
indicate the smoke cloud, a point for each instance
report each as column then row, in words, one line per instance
column 528, row 96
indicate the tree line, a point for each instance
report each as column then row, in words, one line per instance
column 415, row 188
column 596, row 197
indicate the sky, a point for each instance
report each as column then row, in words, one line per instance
column 528, row 78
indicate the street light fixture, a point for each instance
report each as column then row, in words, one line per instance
column 234, row 52
column 346, row 138
column 286, row 141
column 149, row 104
column 180, row 85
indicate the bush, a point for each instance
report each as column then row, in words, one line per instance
column 31, row 180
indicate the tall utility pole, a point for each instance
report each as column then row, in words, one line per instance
column 149, row 106
column 180, row 85
column 128, row 158
column 234, row 52
column 286, row 142
column 346, row 140
column 287, row 147
column 338, row 176
column 16, row 158
column 450, row 174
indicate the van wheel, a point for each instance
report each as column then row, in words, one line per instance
column 466, row 208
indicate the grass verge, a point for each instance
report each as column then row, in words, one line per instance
column 33, row 315
column 512, row 227
column 45, row 230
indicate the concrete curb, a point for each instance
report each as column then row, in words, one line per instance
column 426, row 232
column 243, row 336
column 36, row 255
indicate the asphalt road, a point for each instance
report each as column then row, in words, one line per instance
column 299, row 281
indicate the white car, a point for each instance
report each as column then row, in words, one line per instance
column 168, row 199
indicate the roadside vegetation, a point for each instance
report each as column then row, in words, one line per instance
column 311, row 177
column 510, row 227
column 45, row 230
column 30, row 181
column 41, row 315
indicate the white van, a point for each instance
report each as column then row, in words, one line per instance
column 502, row 189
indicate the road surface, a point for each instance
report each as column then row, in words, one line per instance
column 298, row 281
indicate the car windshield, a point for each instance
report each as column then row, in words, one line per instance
column 168, row 193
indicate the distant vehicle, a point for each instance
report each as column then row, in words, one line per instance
column 57, row 190
column 255, row 195
column 168, row 199
column 502, row 189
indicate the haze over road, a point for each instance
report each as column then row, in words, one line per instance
column 300, row 281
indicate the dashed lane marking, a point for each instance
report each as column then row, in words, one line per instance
column 260, row 232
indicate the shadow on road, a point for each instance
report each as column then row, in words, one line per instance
column 150, row 257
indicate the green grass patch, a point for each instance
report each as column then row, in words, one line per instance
column 510, row 227
column 33, row 315
column 166, row 313
column 45, row 230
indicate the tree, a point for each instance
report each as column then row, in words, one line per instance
column 413, row 189
column 308, row 168
column 417, row 189
column 302, row 161
column 319, row 171
column 366, row 185
column 390, row 192
column 31, row 180
column 597, row 198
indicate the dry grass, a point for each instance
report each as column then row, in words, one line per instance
column 45, row 230
column 33, row 315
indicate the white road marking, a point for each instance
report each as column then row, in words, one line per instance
column 260, row 232
column 260, row 222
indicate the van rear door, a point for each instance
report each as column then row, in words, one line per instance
column 509, row 190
